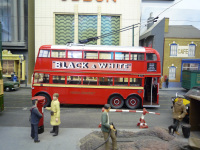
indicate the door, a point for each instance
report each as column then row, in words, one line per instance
column 151, row 86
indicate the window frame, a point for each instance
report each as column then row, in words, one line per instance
column 174, row 44
column 173, row 73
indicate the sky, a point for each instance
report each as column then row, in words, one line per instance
column 186, row 12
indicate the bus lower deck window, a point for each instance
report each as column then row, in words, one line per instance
column 59, row 79
column 105, row 81
column 90, row 80
column 41, row 78
column 121, row 81
column 73, row 80
column 135, row 82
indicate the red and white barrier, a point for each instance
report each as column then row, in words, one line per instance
column 141, row 122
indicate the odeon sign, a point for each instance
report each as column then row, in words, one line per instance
column 92, row 66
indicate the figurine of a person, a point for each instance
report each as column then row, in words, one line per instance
column 179, row 112
column 167, row 82
column 55, row 114
column 34, row 119
column 107, row 129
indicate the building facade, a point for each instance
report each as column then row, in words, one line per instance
column 62, row 21
column 178, row 46
column 13, row 17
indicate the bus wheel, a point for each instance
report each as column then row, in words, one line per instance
column 133, row 102
column 47, row 99
column 116, row 102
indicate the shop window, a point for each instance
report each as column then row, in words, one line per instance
column 90, row 55
column 191, row 52
column 121, row 81
column 59, row 79
column 41, row 78
column 135, row 82
column 74, row 54
column 137, row 56
column 105, row 81
column 73, row 80
column 172, row 73
column 190, row 66
column 105, row 55
column 58, row 54
column 44, row 53
column 8, row 67
column 173, row 49
column 151, row 56
column 90, row 80
column 121, row 56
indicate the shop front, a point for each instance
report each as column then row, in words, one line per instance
column 13, row 64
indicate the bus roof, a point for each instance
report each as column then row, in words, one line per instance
column 96, row 48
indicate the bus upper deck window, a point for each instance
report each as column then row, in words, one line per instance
column 58, row 54
column 137, row 56
column 90, row 55
column 121, row 56
column 44, row 53
column 105, row 55
column 74, row 54
column 151, row 56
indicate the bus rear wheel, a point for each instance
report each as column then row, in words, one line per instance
column 47, row 99
column 116, row 102
column 133, row 102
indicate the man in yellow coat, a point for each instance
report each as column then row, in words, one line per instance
column 55, row 114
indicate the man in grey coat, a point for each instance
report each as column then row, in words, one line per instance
column 106, row 128
column 34, row 119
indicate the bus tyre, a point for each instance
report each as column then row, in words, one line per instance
column 133, row 102
column 47, row 99
column 116, row 102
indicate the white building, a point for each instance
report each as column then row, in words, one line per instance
column 62, row 21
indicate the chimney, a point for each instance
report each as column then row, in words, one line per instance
column 150, row 20
column 166, row 24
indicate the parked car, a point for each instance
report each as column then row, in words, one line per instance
column 9, row 85
column 186, row 100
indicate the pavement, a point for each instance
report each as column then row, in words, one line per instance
column 18, row 138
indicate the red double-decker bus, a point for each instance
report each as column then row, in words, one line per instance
column 91, row 74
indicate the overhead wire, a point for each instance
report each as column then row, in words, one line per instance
column 126, row 28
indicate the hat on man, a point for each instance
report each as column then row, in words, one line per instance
column 180, row 96
column 106, row 106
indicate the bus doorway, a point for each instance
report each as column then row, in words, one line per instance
column 151, row 85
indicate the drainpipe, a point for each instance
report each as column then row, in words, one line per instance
column 21, row 21
column 14, row 21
